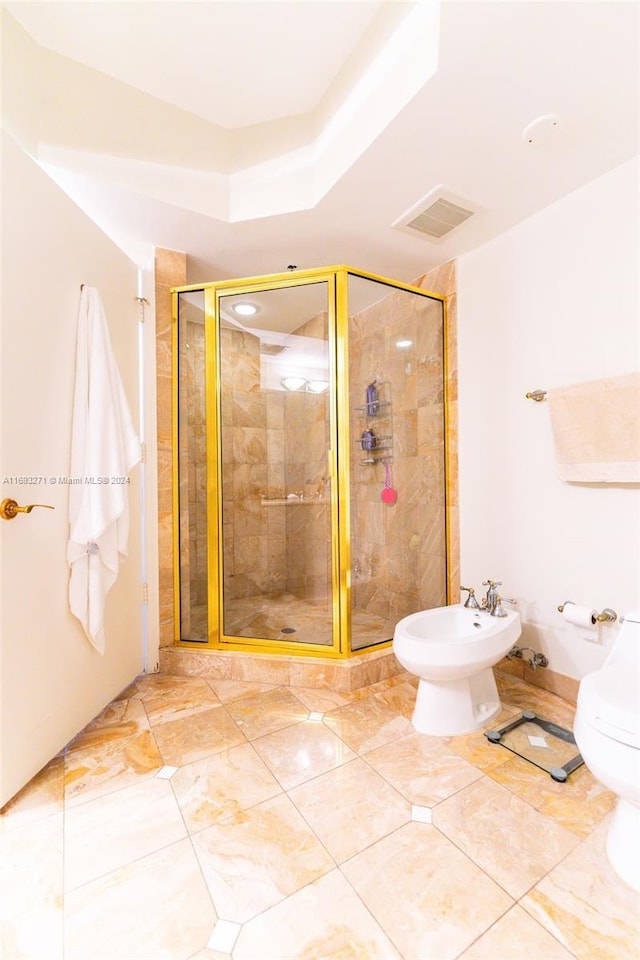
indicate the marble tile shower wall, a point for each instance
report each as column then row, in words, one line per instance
column 399, row 550
column 273, row 444
column 253, row 470
column 170, row 271
column 308, row 526
column 193, row 453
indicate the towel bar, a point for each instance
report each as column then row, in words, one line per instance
column 536, row 395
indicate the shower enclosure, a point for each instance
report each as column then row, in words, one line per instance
column 299, row 399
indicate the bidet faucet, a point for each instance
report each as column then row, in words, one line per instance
column 492, row 602
column 471, row 599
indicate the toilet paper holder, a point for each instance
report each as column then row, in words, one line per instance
column 607, row 615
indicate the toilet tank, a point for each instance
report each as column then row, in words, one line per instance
column 626, row 646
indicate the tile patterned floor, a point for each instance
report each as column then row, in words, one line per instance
column 208, row 820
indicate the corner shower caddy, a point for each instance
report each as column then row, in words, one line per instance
column 382, row 412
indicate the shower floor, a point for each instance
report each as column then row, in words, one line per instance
column 271, row 618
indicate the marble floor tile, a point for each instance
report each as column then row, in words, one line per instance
column 222, row 785
column 506, row 837
column 350, row 808
column 400, row 697
column 157, row 907
column 477, row 749
column 131, row 690
column 585, row 905
column 109, row 832
column 227, row 690
column 117, row 749
column 196, row 736
column 366, row 724
column 321, row 700
column 301, row 752
column 172, row 698
column 427, row 896
column 265, row 713
column 323, row 920
column 422, row 768
column 119, row 721
column 208, row 954
column 579, row 804
column 36, row 934
column 258, row 857
column 31, row 866
column 41, row 797
column 269, row 819
column 516, row 936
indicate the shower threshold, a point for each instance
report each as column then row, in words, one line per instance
column 320, row 673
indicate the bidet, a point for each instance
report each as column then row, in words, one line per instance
column 451, row 650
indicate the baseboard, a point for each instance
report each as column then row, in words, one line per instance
column 563, row 686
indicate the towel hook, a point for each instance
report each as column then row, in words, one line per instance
column 536, row 395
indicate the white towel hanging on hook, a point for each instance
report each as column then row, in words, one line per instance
column 104, row 449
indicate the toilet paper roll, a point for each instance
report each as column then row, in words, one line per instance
column 579, row 616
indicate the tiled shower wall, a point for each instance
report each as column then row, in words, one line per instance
column 273, row 444
column 170, row 271
column 193, row 466
column 306, row 438
column 253, row 470
column 399, row 550
column 442, row 280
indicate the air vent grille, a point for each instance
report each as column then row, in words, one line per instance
column 436, row 214
column 440, row 218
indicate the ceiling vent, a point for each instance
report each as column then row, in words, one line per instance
column 435, row 215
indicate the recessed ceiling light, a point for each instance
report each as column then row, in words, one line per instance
column 245, row 309
column 403, row 344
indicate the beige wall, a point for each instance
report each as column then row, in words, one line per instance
column 53, row 681
column 554, row 301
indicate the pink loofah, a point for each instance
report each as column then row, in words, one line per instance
column 389, row 493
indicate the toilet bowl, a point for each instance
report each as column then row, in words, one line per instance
column 607, row 732
column 452, row 649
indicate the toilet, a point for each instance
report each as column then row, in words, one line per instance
column 607, row 732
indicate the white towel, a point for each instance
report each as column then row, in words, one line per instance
column 104, row 449
column 596, row 430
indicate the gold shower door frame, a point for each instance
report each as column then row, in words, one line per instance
column 336, row 278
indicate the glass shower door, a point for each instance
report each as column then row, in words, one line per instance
column 398, row 475
column 276, row 402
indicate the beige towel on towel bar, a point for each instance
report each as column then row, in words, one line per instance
column 596, row 430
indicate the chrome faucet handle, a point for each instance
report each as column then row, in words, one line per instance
column 498, row 610
column 471, row 599
column 508, row 600
column 492, row 583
